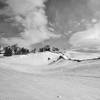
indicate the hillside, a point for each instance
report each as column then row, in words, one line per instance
column 34, row 77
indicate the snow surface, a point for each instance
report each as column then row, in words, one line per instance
column 34, row 77
column 34, row 59
column 30, row 62
column 81, row 55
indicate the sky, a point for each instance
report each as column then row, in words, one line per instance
column 66, row 24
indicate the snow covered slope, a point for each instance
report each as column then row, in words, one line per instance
column 63, row 80
column 29, row 63
column 33, row 59
column 81, row 55
column 35, row 63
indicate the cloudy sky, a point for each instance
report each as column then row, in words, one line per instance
column 62, row 23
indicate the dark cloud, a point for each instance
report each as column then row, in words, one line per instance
column 3, row 18
column 7, row 30
column 3, row 4
column 65, row 14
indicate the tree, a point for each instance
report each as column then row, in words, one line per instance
column 47, row 48
column 8, row 51
column 1, row 49
column 24, row 51
column 55, row 49
column 34, row 50
column 14, row 49
column 18, row 50
column 41, row 50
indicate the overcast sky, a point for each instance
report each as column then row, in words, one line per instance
column 63, row 23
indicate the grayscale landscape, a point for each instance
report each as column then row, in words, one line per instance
column 49, row 49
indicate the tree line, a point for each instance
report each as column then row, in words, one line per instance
column 15, row 50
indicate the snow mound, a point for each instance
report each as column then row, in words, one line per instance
column 37, row 59
column 31, row 63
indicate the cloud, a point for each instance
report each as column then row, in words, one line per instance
column 2, row 4
column 89, row 38
column 94, row 5
column 31, row 14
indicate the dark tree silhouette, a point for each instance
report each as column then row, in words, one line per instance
column 0, row 49
column 34, row 50
column 55, row 49
column 24, row 51
column 8, row 51
column 47, row 48
column 14, row 49
column 41, row 50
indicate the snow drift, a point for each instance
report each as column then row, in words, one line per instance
column 29, row 63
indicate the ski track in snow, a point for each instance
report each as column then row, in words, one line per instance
column 62, row 80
